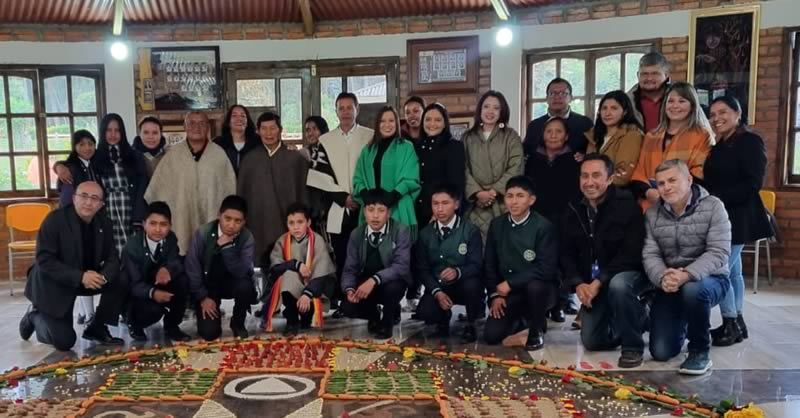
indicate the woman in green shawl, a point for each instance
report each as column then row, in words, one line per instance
column 389, row 162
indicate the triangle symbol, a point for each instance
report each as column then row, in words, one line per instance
column 313, row 409
column 268, row 385
column 212, row 409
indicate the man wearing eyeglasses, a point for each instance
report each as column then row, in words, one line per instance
column 559, row 96
column 75, row 256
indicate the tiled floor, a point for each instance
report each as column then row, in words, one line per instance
column 764, row 368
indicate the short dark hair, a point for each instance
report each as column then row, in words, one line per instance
column 522, row 182
column 321, row 123
column 600, row 157
column 654, row 58
column 234, row 202
column 376, row 196
column 151, row 119
column 448, row 189
column 415, row 99
column 345, row 95
column 267, row 117
column 159, row 208
column 558, row 80
column 298, row 207
column 557, row 119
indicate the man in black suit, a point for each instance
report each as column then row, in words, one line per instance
column 75, row 256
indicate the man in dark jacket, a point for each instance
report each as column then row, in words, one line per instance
column 75, row 256
column 376, row 271
column 449, row 260
column 521, row 267
column 219, row 264
column 155, row 271
column 647, row 95
column 602, row 236
column 685, row 255
column 559, row 96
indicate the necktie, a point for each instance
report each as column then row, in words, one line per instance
column 157, row 252
column 114, row 153
column 445, row 231
column 375, row 238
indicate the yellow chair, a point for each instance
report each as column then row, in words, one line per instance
column 768, row 198
column 25, row 217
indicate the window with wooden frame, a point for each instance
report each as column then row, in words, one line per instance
column 793, row 111
column 40, row 107
column 592, row 71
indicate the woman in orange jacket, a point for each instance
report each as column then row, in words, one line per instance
column 683, row 133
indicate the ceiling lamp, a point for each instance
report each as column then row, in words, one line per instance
column 501, row 9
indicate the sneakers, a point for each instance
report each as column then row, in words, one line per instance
column 630, row 359
column 26, row 327
column 696, row 364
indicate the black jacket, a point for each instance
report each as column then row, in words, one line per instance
column 557, row 182
column 141, row 269
column 55, row 277
column 616, row 243
column 734, row 172
column 441, row 160
column 234, row 154
column 577, row 125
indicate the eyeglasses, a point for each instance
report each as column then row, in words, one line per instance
column 92, row 198
column 558, row 93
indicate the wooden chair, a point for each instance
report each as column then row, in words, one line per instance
column 25, row 217
column 768, row 198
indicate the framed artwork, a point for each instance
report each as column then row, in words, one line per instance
column 723, row 54
column 460, row 124
column 180, row 78
column 174, row 132
column 443, row 65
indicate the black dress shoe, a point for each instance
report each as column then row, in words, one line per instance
column 291, row 330
column 535, row 341
column 339, row 313
column 26, row 326
column 468, row 335
column 240, row 332
column 175, row 334
column 373, row 325
column 557, row 315
column 100, row 334
column 730, row 334
column 570, row 310
column 742, row 326
column 137, row 333
column 442, row 331
column 384, row 333
column 630, row 359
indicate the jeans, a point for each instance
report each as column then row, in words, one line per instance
column 616, row 316
column 685, row 313
column 731, row 306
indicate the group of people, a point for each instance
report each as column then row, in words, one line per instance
column 644, row 210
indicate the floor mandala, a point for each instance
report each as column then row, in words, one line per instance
column 311, row 377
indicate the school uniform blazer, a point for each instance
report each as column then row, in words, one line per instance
column 55, row 277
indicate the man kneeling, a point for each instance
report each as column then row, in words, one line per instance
column 601, row 239
column 686, row 256
column 75, row 256
column 521, row 267
column 376, row 271
column 305, row 271
column 155, row 270
column 219, row 265
column 449, row 261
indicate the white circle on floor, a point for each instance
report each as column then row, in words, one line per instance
column 268, row 387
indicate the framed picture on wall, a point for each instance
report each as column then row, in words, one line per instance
column 460, row 124
column 174, row 132
column 180, row 78
column 723, row 54
column 443, row 65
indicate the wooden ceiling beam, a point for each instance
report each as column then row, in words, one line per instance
column 308, row 18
